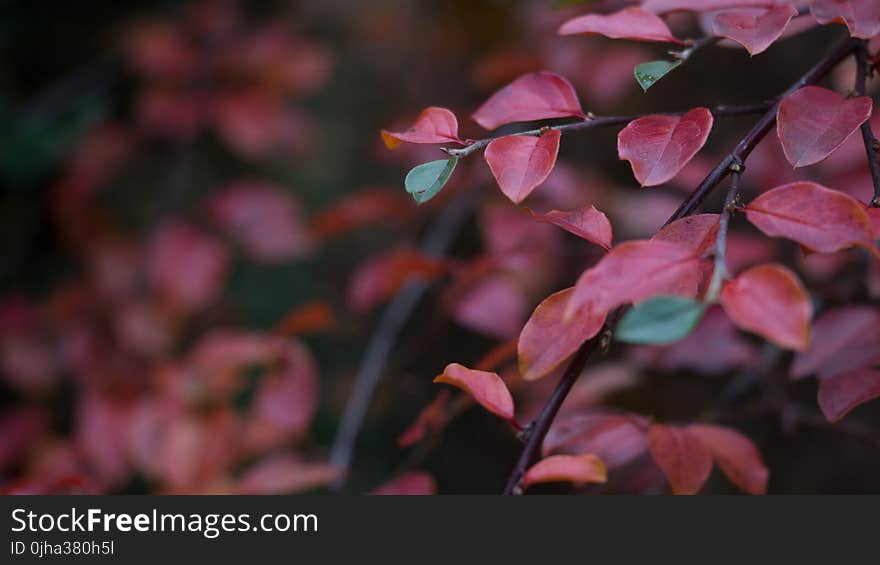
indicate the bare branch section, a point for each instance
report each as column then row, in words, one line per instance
column 542, row 423
column 872, row 146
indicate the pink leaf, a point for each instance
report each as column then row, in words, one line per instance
column 839, row 394
column 547, row 340
column 186, row 266
column 486, row 388
column 685, row 460
column 434, row 125
column 814, row 121
column 414, row 483
column 520, row 163
column 587, row 223
column 659, row 146
column 697, row 232
column 629, row 23
column 770, row 301
column 534, row 96
column 844, row 339
column 755, row 29
column 284, row 474
column 633, row 271
column 862, row 17
column 664, row 6
column 264, row 219
column 737, row 456
column 820, row 219
column 617, row 439
column 574, row 468
column 496, row 306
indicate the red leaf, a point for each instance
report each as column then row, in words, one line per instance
column 380, row 277
column 616, row 438
column 414, row 483
column 574, row 468
column 534, row 96
column 629, row 23
column 186, row 266
column 737, row 456
column 547, row 340
column 587, row 223
column 770, row 301
column 520, row 163
column 844, row 339
column 874, row 218
column 496, row 306
column 434, row 125
column 309, row 318
column 862, row 17
column 813, row 122
column 663, row 6
column 755, row 29
column 818, row 218
column 264, row 219
column 685, row 460
column 363, row 208
column 839, row 394
column 659, row 146
column 284, row 474
column 486, row 388
column 633, row 271
column 431, row 418
column 697, row 232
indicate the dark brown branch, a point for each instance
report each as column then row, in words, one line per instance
column 872, row 146
column 609, row 121
column 539, row 428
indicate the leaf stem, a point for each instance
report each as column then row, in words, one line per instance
column 720, row 273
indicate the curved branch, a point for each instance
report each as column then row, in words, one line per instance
column 539, row 428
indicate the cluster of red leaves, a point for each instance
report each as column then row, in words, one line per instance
column 767, row 298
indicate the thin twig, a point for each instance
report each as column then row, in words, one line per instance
column 437, row 241
column 720, row 273
column 607, row 121
column 542, row 424
column 872, row 146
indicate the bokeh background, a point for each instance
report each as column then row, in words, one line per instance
column 200, row 228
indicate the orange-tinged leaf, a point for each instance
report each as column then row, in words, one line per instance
column 684, row 459
column 770, row 301
column 697, row 232
column 309, row 318
column 629, row 23
column 634, row 271
column 432, row 418
column 363, row 208
column 820, row 219
column 659, row 146
column 486, row 388
column 588, row 223
column 839, row 394
column 874, row 218
column 547, row 340
column 813, row 122
column 754, row 28
column 434, row 125
column 577, row 469
column 862, row 17
column 535, row 96
column 520, row 163
column 380, row 277
column 737, row 456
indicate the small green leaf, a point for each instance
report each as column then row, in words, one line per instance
column 652, row 71
column 426, row 180
column 660, row 320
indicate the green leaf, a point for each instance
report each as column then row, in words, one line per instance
column 652, row 71
column 660, row 320
column 427, row 179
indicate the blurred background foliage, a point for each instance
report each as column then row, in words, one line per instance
column 293, row 94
